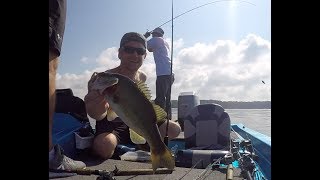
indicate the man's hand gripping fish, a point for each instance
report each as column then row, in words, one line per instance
column 131, row 102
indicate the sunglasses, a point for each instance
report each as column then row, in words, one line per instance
column 131, row 50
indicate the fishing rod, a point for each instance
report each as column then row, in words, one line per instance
column 109, row 175
column 200, row 7
column 209, row 167
column 102, row 174
column 166, row 138
column 190, row 169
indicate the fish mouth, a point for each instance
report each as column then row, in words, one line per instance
column 104, row 84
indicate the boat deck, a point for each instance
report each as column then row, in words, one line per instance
column 178, row 173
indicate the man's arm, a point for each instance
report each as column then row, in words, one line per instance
column 96, row 105
column 146, row 35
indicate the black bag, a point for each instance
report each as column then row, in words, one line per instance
column 67, row 103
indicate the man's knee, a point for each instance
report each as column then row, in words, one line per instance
column 52, row 54
column 53, row 62
column 104, row 145
column 174, row 129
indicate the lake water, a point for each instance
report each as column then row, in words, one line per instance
column 256, row 119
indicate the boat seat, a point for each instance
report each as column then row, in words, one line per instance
column 207, row 126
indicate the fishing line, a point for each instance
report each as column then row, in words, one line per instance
column 240, row 137
column 166, row 138
column 204, row 172
column 190, row 169
column 202, row 6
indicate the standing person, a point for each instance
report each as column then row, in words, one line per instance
column 110, row 129
column 57, row 18
column 160, row 49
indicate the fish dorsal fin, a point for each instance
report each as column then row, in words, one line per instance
column 144, row 89
column 160, row 113
column 136, row 138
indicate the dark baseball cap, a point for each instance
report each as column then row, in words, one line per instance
column 133, row 36
column 158, row 30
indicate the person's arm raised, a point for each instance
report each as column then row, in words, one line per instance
column 96, row 104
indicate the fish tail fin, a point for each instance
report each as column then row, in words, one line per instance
column 162, row 158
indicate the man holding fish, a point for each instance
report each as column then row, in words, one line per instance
column 120, row 103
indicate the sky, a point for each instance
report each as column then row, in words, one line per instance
column 221, row 50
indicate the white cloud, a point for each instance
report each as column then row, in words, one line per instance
column 85, row 60
column 108, row 58
column 221, row 70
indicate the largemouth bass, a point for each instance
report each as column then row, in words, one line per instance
column 131, row 102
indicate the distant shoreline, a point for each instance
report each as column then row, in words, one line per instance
column 233, row 104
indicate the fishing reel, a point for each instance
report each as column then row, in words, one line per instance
column 147, row 34
column 248, row 163
column 106, row 175
column 227, row 159
column 243, row 148
column 247, row 147
column 243, row 151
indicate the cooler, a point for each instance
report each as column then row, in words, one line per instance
column 186, row 101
